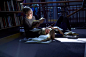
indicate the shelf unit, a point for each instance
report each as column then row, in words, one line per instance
column 10, row 14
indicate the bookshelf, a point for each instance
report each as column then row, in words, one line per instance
column 10, row 14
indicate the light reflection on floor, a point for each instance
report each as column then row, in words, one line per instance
column 78, row 40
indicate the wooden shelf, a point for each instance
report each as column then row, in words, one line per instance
column 51, row 2
column 9, row 17
column 4, row 13
column 13, row 0
column 9, row 27
column 10, row 11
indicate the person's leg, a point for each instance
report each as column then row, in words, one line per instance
column 52, row 34
column 32, row 34
column 63, row 26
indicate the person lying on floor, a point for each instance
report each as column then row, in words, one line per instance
column 64, row 24
column 28, row 24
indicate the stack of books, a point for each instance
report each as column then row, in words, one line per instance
column 71, row 34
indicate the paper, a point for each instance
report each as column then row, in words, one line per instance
column 70, row 32
column 45, row 42
column 37, row 39
column 58, row 28
column 41, row 18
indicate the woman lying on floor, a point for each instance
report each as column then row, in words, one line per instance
column 28, row 25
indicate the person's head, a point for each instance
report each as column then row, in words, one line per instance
column 27, row 11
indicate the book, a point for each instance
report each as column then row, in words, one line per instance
column 38, row 21
column 9, row 21
column 4, row 6
column 12, row 21
column 12, row 5
column 42, row 18
column 15, row 3
column 35, row 22
column 21, row 20
column 1, row 23
column 4, row 24
column 70, row 33
column 8, row 6
column 18, row 6
column 44, row 42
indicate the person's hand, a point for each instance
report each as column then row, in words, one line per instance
column 49, row 26
column 47, row 31
column 41, row 20
column 52, row 28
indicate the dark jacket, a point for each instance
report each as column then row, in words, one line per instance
column 28, row 26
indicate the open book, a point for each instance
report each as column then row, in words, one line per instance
column 38, row 21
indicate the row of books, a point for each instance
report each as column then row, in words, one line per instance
column 9, row 21
column 10, row 6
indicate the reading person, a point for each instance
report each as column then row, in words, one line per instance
column 30, row 24
column 27, row 21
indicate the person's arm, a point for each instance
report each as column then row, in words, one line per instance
column 35, row 23
column 58, row 30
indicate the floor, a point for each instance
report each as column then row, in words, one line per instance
column 60, row 48
column 53, row 49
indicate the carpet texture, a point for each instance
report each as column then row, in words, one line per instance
column 53, row 49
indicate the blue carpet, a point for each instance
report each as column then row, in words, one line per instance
column 54, row 49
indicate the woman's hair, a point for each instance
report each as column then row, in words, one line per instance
column 26, row 9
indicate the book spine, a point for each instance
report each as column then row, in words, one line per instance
column 9, row 21
column 21, row 18
column 4, row 6
column 4, row 24
column 21, row 5
column 1, row 23
column 15, row 19
column 18, row 20
column 12, row 21
column 12, row 5
column 18, row 6
column 8, row 6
